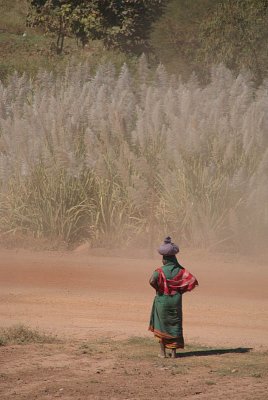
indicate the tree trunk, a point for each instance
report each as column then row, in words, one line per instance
column 60, row 38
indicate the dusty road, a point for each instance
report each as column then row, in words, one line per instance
column 81, row 295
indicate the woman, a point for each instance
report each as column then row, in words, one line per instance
column 170, row 282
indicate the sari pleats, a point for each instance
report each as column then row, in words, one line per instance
column 166, row 320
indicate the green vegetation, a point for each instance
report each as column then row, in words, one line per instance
column 175, row 38
column 27, row 50
column 186, row 36
column 121, row 24
column 236, row 34
column 193, row 35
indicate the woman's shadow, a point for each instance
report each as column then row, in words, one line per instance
column 213, row 352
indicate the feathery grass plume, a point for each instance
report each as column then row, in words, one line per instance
column 114, row 155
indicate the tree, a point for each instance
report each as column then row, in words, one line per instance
column 54, row 16
column 236, row 34
column 123, row 24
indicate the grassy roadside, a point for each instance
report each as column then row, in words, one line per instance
column 139, row 351
column 104, row 368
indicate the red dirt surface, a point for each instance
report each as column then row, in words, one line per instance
column 96, row 303
column 81, row 295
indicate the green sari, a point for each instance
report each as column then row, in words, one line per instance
column 166, row 315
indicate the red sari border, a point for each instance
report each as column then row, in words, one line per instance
column 169, row 341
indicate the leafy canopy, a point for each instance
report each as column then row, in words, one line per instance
column 236, row 34
column 123, row 24
column 192, row 35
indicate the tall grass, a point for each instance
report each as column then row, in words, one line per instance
column 127, row 157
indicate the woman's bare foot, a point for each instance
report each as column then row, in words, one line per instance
column 162, row 351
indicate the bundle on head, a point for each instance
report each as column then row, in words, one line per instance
column 168, row 248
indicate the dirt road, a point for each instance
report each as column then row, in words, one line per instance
column 81, row 295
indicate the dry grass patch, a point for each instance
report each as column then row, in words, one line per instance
column 125, row 369
column 21, row 334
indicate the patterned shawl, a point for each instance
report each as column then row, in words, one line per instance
column 183, row 282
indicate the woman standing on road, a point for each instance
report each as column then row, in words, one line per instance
column 170, row 282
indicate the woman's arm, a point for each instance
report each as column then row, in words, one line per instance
column 153, row 280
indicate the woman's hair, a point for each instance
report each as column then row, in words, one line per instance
column 172, row 259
